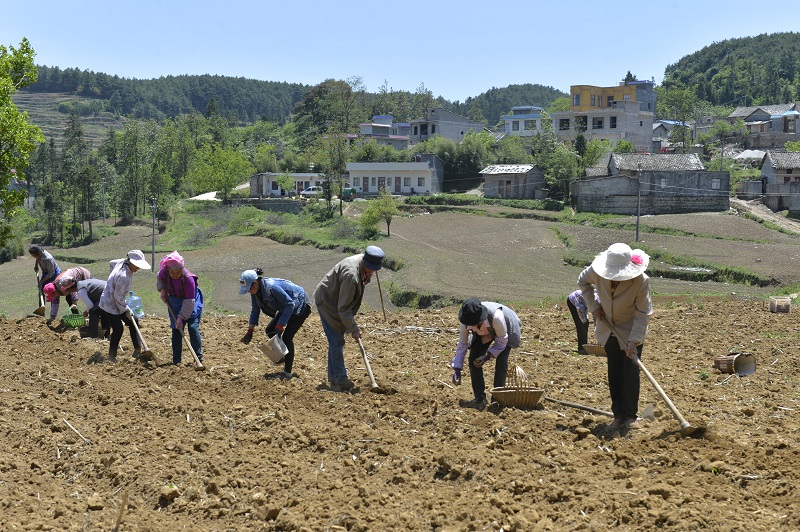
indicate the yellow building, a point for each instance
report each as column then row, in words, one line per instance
column 589, row 97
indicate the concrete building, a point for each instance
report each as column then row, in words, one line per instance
column 266, row 184
column 780, row 167
column 520, row 181
column 383, row 130
column 423, row 176
column 623, row 112
column 769, row 126
column 524, row 120
column 444, row 124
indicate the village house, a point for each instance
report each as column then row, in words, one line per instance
column 266, row 184
column 423, row 176
column 444, row 124
column 769, row 126
column 653, row 184
column 780, row 167
column 519, row 181
column 524, row 121
column 383, row 130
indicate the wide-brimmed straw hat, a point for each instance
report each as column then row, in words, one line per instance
column 620, row 263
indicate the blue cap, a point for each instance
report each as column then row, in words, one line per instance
column 373, row 258
column 246, row 280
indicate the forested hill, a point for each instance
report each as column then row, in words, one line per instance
column 743, row 71
column 247, row 100
column 495, row 102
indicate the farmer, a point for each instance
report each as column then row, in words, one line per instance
column 112, row 301
column 285, row 302
column 89, row 292
column 61, row 287
column 495, row 329
column 50, row 269
column 580, row 315
column 179, row 290
column 617, row 277
column 337, row 298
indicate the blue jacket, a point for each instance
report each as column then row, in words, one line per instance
column 277, row 297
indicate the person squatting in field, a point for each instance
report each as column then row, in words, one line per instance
column 489, row 331
column 286, row 303
column 180, row 291
column 62, row 285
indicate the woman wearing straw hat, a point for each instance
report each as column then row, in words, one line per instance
column 285, row 302
column 112, row 300
column 616, row 277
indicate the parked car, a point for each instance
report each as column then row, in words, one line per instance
column 311, row 191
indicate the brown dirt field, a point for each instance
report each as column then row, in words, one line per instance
column 247, row 452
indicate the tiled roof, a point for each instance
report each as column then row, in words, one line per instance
column 783, row 160
column 596, row 171
column 744, row 112
column 507, row 169
column 657, row 162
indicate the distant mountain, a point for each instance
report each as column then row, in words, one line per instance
column 744, row 71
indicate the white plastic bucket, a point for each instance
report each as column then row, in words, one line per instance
column 275, row 349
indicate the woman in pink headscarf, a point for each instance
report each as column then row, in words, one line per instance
column 179, row 290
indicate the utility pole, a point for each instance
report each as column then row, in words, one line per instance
column 638, row 198
column 103, row 181
column 153, row 253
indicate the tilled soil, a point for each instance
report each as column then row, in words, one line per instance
column 232, row 448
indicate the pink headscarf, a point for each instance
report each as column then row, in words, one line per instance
column 172, row 260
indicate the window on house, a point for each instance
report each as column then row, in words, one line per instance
column 373, row 181
column 433, row 129
column 612, row 122
column 715, row 183
column 593, row 100
column 356, row 181
column 274, row 185
column 788, row 170
column 563, row 124
column 416, row 131
column 663, row 182
column 389, row 182
column 641, row 123
column 786, row 179
column 597, row 123
column 530, row 125
column 576, row 99
column 420, row 181
column 406, row 181
column 609, row 101
column 648, row 105
column 515, row 125
column 423, row 129
column 626, row 97
column 580, row 123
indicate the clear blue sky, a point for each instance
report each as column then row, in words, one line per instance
column 457, row 49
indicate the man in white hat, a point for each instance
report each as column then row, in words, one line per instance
column 616, row 278
column 337, row 298
column 112, row 301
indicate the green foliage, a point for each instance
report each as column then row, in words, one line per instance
column 743, row 71
column 287, row 183
column 243, row 219
column 383, row 208
column 792, row 146
column 220, row 169
column 471, row 199
column 623, row 146
column 513, row 149
column 560, row 104
column 18, row 138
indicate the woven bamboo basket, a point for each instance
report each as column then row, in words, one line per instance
column 74, row 320
column 595, row 350
column 518, row 394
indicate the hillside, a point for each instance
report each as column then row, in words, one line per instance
column 43, row 110
column 744, row 71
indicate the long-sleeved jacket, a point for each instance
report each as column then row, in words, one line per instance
column 119, row 283
column 338, row 295
column 49, row 268
column 277, row 297
column 185, row 296
column 504, row 327
column 64, row 281
column 628, row 307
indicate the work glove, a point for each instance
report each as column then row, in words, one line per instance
column 480, row 361
column 179, row 322
column 456, row 376
column 164, row 295
column 74, row 309
column 247, row 336
column 129, row 313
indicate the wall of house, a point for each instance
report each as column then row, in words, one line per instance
column 784, row 197
column 769, row 139
column 683, row 192
column 749, row 190
column 522, row 186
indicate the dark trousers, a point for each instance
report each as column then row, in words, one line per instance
column 116, row 322
column 294, row 324
column 623, row 380
column 476, row 350
column 581, row 328
column 195, row 340
column 97, row 318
